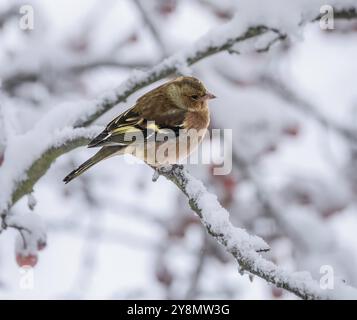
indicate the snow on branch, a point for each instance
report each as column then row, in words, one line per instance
column 35, row 163
column 54, row 135
column 78, row 115
column 246, row 248
column 176, row 64
column 30, row 169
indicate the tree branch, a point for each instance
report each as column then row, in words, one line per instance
column 168, row 67
column 344, row 14
column 63, row 142
column 41, row 165
column 202, row 49
column 10, row 83
column 303, row 105
column 244, row 247
column 137, row 81
column 152, row 27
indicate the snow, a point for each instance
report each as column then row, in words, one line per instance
column 237, row 240
column 73, row 113
column 23, row 150
column 33, row 232
column 31, row 201
column 216, row 218
column 256, row 116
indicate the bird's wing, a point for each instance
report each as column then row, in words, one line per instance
column 153, row 114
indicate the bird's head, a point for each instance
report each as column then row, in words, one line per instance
column 189, row 93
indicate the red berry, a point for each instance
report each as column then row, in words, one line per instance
column 133, row 38
column 41, row 245
column 292, row 130
column 229, row 183
column 164, row 276
column 167, row 7
column 29, row 260
column 277, row 292
column 224, row 15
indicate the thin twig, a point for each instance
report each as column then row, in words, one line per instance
column 152, row 27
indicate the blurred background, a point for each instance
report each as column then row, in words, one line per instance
column 113, row 233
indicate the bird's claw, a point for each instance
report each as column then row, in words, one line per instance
column 170, row 168
column 165, row 170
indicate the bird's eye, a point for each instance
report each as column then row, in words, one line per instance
column 194, row 97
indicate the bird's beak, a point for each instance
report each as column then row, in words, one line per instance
column 209, row 95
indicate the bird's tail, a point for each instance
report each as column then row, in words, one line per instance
column 103, row 153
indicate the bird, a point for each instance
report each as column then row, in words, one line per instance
column 164, row 117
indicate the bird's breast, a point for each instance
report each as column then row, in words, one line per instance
column 197, row 120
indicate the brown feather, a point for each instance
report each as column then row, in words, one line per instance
column 197, row 120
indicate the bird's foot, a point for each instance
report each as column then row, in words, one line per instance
column 170, row 168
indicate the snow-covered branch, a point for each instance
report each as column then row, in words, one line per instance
column 11, row 82
column 222, row 39
column 21, row 182
column 54, row 135
column 34, row 166
column 246, row 248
